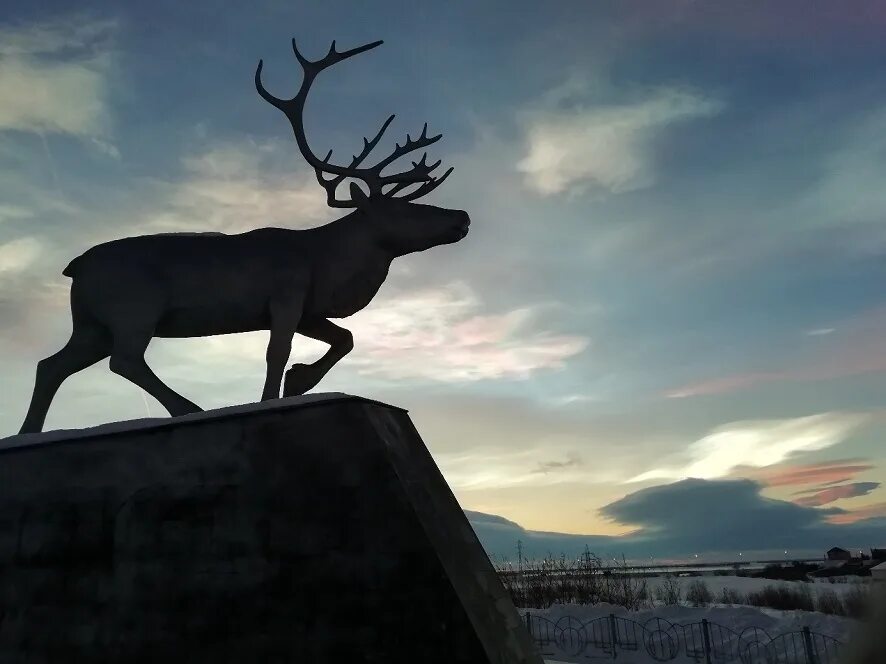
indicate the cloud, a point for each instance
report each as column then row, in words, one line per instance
column 440, row 334
column 609, row 148
column 834, row 493
column 860, row 514
column 76, row 33
column 492, row 467
column 229, row 188
column 10, row 212
column 734, row 510
column 53, row 77
column 720, row 517
column 725, row 384
column 571, row 460
column 849, row 188
column 758, row 443
column 832, row 472
column 859, row 349
column 18, row 255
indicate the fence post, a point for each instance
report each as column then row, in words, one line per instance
column 614, row 635
column 529, row 624
column 707, row 640
column 809, row 647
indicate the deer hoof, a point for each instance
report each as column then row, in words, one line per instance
column 299, row 379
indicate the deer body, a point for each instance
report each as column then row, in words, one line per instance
column 127, row 291
column 249, row 271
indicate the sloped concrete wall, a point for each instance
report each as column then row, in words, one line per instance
column 305, row 530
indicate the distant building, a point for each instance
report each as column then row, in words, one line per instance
column 879, row 572
column 838, row 554
column 878, row 554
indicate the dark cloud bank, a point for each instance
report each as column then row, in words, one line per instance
column 715, row 518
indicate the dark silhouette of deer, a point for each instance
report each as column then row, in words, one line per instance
column 127, row 291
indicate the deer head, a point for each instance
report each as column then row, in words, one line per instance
column 400, row 224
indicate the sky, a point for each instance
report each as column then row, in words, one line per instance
column 665, row 334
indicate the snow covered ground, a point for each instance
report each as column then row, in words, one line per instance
column 736, row 619
column 746, row 584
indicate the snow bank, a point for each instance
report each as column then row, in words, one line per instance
column 736, row 618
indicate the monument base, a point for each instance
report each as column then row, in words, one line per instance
column 314, row 529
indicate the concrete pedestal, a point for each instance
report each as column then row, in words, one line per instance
column 314, row 529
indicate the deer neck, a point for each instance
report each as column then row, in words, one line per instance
column 356, row 241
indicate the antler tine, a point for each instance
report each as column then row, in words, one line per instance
column 410, row 145
column 294, row 108
column 332, row 57
column 424, row 163
column 426, row 188
column 331, row 184
column 267, row 96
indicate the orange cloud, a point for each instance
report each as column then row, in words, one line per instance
column 831, row 494
column 725, row 384
column 869, row 512
column 798, row 475
column 856, row 347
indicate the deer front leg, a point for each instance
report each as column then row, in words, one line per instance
column 302, row 377
column 284, row 321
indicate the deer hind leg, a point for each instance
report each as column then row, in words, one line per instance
column 128, row 360
column 302, row 377
column 89, row 343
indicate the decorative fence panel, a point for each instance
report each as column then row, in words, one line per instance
column 610, row 637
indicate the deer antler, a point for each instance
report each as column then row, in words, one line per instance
column 293, row 109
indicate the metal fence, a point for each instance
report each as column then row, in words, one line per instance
column 570, row 639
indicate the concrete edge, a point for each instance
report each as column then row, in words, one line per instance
column 29, row 440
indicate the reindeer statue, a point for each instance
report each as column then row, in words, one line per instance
column 127, row 291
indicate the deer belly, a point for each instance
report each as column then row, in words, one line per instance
column 194, row 322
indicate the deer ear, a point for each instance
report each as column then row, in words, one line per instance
column 357, row 195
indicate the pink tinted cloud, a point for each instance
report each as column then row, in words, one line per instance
column 857, row 347
column 834, row 493
column 439, row 334
column 724, row 384
column 867, row 512
column 800, row 475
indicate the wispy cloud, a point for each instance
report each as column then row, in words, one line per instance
column 849, row 189
column 725, row 384
column 832, row 472
column 572, row 459
column 491, row 467
column 442, row 334
column 18, row 255
column 230, row 188
column 819, row 497
column 859, row 349
column 70, row 33
column 41, row 91
column 609, row 148
column 859, row 514
column 757, row 444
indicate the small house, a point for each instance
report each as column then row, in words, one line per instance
column 838, row 554
column 878, row 573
